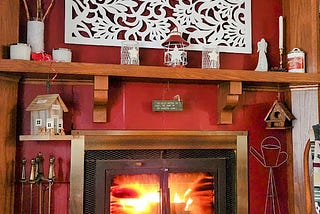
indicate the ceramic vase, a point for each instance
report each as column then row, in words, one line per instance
column 35, row 36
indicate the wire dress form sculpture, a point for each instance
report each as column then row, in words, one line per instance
column 270, row 157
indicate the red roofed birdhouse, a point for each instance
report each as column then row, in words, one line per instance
column 47, row 115
column 279, row 117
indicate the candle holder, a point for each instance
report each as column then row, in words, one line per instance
column 281, row 58
column 280, row 68
column 61, row 55
column 130, row 53
column 20, row 51
column 210, row 57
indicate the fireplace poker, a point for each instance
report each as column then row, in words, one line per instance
column 32, row 181
column 51, row 177
column 22, row 181
column 39, row 179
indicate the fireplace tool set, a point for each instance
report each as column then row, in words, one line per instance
column 37, row 179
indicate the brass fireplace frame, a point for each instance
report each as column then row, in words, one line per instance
column 153, row 139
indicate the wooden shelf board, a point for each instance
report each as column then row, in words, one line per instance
column 24, row 67
column 44, row 137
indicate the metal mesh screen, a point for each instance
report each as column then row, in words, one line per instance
column 93, row 155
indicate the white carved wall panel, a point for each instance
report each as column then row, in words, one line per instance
column 226, row 23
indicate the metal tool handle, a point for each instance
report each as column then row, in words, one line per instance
column 32, row 171
column 23, row 181
column 39, row 160
column 51, row 175
column 23, row 170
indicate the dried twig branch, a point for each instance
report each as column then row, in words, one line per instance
column 48, row 10
column 26, row 9
column 39, row 10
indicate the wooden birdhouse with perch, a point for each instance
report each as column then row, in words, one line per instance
column 279, row 116
column 47, row 115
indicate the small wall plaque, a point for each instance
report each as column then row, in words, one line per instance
column 167, row 105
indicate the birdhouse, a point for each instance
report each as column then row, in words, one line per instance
column 47, row 115
column 279, row 117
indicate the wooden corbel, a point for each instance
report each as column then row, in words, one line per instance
column 100, row 98
column 229, row 93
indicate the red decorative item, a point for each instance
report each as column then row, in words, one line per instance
column 41, row 57
column 175, row 39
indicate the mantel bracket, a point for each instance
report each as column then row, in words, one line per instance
column 100, row 98
column 229, row 94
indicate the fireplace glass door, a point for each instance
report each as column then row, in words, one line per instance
column 172, row 186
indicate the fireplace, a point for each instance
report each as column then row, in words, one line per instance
column 159, row 181
column 165, row 172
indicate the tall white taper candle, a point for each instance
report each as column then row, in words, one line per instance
column 280, row 32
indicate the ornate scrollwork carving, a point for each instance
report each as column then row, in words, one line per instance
column 226, row 23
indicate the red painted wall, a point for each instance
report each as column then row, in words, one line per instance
column 130, row 104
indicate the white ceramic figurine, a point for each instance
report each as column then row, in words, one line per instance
column 262, row 61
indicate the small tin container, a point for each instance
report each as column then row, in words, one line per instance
column 296, row 61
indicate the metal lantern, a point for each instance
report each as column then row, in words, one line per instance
column 175, row 54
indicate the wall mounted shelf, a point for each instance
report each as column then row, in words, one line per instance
column 34, row 68
column 44, row 137
column 228, row 93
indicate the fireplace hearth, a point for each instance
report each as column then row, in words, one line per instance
column 165, row 172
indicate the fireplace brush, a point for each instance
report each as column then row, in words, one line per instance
column 37, row 177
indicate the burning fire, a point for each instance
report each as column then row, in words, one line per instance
column 134, row 198
column 144, row 198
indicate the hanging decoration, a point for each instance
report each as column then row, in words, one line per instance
column 279, row 116
column 47, row 115
column 168, row 105
column 224, row 23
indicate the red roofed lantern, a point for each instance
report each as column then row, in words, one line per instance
column 175, row 54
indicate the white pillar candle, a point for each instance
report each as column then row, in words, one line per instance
column 20, row 51
column 35, row 34
column 281, row 32
column 61, row 55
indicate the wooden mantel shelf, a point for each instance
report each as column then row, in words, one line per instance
column 155, row 72
column 230, row 81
